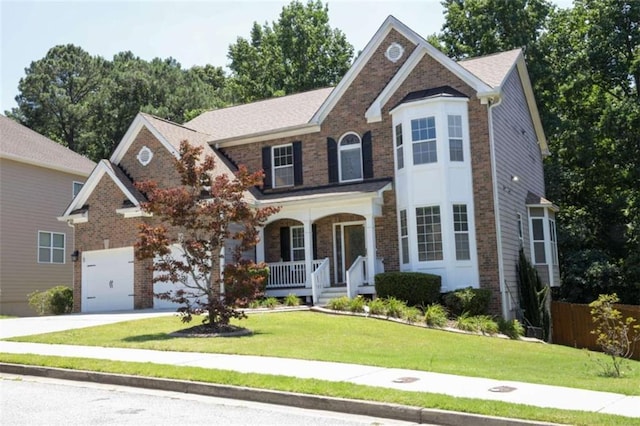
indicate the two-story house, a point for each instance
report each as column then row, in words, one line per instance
column 38, row 178
column 413, row 162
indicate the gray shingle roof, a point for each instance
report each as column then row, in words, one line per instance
column 492, row 69
column 260, row 117
column 176, row 133
column 20, row 143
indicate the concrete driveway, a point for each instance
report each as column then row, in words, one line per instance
column 26, row 326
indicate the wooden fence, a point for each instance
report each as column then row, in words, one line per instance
column 572, row 325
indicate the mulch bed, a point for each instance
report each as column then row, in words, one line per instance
column 205, row 330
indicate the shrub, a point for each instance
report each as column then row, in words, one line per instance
column 55, row 301
column 411, row 314
column 291, row 300
column 435, row 315
column 533, row 295
column 377, row 307
column 395, row 308
column 414, row 288
column 615, row 336
column 473, row 301
column 513, row 329
column 478, row 324
column 339, row 303
column 254, row 304
column 357, row 304
column 270, row 302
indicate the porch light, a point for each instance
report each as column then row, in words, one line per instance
column 514, row 178
column 75, row 256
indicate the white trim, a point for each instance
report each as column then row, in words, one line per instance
column 302, row 129
column 132, row 132
column 531, row 103
column 51, row 247
column 73, row 187
column 101, row 169
column 128, row 212
column 340, row 179
column 496, row 211
column 343, row 266
column 273, row 166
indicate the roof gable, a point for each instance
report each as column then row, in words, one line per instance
column 104, row 168
column 422, row 48
column 19, row 143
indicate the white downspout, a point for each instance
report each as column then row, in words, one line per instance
column 496, row 208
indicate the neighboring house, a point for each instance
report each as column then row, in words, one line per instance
column 413, row 162
column 38, row 179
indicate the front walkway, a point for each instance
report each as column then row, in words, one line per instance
column 408, row 380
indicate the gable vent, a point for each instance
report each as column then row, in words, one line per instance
column 145, row 155
column 394, row 52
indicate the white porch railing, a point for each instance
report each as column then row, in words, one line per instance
column 289, row 274
column 356, row 276
column 320, row 278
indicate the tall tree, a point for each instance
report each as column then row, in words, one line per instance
column 87, row 103
column 201, row 216
column 56, row 92
column 592, row 115
column 298, row 52
column 481, row 27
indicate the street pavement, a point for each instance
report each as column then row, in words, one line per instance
column 391, row 378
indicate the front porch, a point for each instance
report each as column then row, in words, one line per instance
column 291, row 277
column 321, row 246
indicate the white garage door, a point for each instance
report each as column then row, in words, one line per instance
column 107, row 280
column 161, row 287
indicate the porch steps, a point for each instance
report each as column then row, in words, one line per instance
column 331, row 293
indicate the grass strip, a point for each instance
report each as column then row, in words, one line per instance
column 366, row 341
column 324, row 388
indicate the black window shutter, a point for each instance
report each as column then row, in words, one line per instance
column 285, row 244
column 266, row 166
column 314, row 236
column 332, row 155
column 297, row 163
column 367, row 156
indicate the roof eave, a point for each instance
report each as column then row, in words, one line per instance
column 43, row 164
column 297, row 130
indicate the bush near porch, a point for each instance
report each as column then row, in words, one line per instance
column 414, row 288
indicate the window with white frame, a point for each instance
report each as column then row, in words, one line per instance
column 297, row 243
column 554, row 242
column 461, row 231
column 404, row 237
column 520, row 230
column 50, row 247
column 399, row 147
column 429, row 232
column 455, row 138
column 537, row 233
column 423, row 136
column 350, row 157
column 282, row 166
column 77, row 186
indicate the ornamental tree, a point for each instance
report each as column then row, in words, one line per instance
column 208, row 219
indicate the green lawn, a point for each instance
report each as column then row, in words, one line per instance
column 310, row 335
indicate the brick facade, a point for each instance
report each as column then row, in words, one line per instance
column 347, row 115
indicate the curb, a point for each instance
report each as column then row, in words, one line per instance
column 314, row 402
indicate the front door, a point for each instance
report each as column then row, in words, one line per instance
column 349, row 244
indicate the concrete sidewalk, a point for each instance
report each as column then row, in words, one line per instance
column 392, row 378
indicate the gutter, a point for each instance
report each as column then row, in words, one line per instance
column 496, row 203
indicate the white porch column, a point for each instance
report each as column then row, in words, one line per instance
column 260, row 246
column 370, row 235
column 308, row 251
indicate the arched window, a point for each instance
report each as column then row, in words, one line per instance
column 350, row 157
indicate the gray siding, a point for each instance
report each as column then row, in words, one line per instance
column 31, row 199
column 517, row 154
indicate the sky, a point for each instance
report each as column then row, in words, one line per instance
column 193, row 32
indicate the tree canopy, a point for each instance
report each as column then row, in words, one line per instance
column 201, row 216
column 87, row 103
column 299, row 52
column 585, row 65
